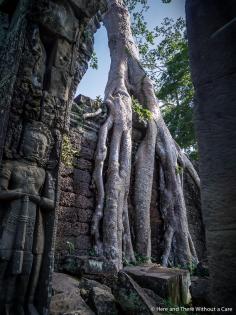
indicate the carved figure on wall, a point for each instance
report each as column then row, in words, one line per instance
column 26, row 192
column 46, row 52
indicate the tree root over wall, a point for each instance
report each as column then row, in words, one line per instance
column 127, row 78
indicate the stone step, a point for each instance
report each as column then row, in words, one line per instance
column 66, row 298
column 132, row 298
column 169, row 283
column 88, row 265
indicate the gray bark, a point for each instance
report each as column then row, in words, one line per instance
column 126, row 78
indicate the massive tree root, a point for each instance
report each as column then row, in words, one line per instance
column 126, row 78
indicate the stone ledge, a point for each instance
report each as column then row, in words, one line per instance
column 171, row 283
column 88, row 265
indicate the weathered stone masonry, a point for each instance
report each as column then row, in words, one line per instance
column 45, row 46
column 78, row 199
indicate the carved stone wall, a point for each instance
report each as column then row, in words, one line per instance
column 77, row 200
column 45, row 46
column 78, row 197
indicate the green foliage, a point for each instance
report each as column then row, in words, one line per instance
column 132, row 4
column 195, row 271
column 167, row 63
column 126, row 262
column 92, row 252
column 191, row 267
column 173, row 82
column 130, row 299
column 144, row 115
column 98, row 101
column 94, row 61
column 164, row 55
column 68, row 152
column 71, row 247
column 127, row 51
column 178, row 169
column 139, row 260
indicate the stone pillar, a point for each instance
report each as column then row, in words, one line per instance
column 211, row 34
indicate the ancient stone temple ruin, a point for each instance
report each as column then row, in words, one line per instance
column 45, row 47
column 48, row 204
column 74, row 243
column 78, row 196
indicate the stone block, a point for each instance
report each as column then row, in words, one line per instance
column 84, row 189
column 132, row 298
column 67, row 199
column 74, row 229
column 84, row 202
column 66, row 297
column 103, row 301
column 84, row 164
column 81, row 228
column 73, row 214
column 98, row 296
column 88, row 143
column 62, row 51
column 89, row 265
column 87, row 153
column 81, row 176
column 169, row 283
column 66, row 171
column 75, row 138
column 88, row 285
column 57, row 19
column 82, row 7
column 85, row 215
column 67, row 214
column 67, row 184
column 83, row 242
column 59, row 77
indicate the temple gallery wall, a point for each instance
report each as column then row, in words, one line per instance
column 45, row 47
column 78, row 194
column 49, row 148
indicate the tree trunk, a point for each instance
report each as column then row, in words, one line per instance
column 211, row 34
column 127, row 78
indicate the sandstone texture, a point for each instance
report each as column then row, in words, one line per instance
column 78, row 197
column 132, row 298
column 169, row 283
column 66, row 297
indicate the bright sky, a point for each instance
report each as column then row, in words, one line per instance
column 94, row 82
